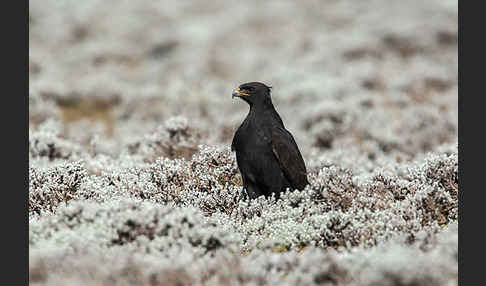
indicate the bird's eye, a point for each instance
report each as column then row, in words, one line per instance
column 248, row 88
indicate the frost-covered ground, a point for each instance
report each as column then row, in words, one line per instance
column 131, row 178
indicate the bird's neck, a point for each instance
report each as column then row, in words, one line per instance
column 265, row 104
column 262, row 108
column 265, row 110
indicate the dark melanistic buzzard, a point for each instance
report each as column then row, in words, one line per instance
column 267, row 155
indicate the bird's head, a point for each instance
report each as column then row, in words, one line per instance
column 254, row 93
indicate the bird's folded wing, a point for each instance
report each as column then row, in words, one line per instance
column 288, row 155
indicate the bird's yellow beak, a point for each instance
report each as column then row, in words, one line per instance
column 238, row 93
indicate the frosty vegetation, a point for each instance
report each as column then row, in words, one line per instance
column 132, row 180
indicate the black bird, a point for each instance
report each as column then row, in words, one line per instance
column 266, row 153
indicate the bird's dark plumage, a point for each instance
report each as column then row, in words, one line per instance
column 266, row 153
